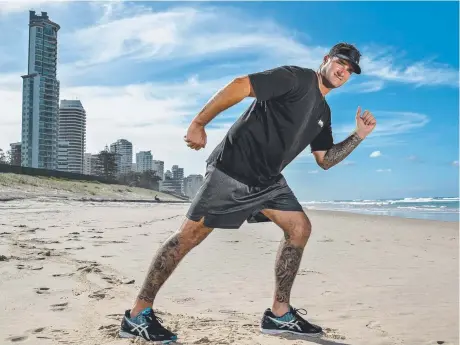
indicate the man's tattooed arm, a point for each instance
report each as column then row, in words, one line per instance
column 340, row 151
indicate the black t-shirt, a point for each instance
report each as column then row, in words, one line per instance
column 289, row 114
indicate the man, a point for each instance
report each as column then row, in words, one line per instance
column 244, row 182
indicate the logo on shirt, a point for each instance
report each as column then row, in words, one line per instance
column 320, row 123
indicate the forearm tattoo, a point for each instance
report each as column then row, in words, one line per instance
column 287, row 265
column 163, row 264
column 340, row 151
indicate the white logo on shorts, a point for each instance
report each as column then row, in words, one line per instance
column 320, row 123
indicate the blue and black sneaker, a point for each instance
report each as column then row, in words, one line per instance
column 147, row 326
column 291, row 322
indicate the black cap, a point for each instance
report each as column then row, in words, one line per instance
column 350, row 54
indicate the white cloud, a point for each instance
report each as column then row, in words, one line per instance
column 313, row 172
column 375, row 154
column 187, row 33
column 380, row 63
column 368, row 86
column 455, row 163
column 390, row 123
column 383, row 170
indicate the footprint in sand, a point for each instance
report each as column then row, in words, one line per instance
column 110, row 330
column 333, row 334
column 27, row 267
column 115, row 317
column 38, row 330
column 63, row 274
column 111, row 280
column 88, row 269
column 375, row 325
column 59, row 306
column 16, row 339
column 100, row 294
column 42, row 290
column 183, row 300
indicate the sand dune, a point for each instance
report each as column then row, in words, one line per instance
column 70, row 269
column 15, row 186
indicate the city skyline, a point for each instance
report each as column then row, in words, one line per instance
column 55, row 137
column 144, row 70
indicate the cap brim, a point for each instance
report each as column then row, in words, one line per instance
column 355, row 66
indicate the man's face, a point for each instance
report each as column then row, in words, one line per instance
column 336, row 71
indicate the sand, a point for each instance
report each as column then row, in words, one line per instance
column 69, row 269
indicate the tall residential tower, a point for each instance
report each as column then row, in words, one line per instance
column 124, row 155
column 72, row 128
column 40, row 96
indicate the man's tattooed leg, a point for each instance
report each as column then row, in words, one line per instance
column 286, row 267
column 341, row 150
column 166, row 260
column 163, row 264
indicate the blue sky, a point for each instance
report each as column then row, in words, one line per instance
column 143, row 70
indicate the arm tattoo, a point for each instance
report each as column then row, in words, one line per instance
column 340, row 151
column 163, row 264
column 287, row 265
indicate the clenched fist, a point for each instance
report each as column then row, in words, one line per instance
column 365, row 123
column 196, row 136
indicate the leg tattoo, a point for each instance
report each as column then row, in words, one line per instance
column 287, row 265
column 163, row 264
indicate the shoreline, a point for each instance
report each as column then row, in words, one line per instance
column 185, row 202
column 386, row 216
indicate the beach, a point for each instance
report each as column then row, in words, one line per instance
column 70, row 269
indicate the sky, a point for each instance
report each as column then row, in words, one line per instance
column 143, row 70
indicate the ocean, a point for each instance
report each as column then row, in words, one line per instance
column 436, row 208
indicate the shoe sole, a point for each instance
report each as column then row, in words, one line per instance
column 279, row 331
column 127, row 335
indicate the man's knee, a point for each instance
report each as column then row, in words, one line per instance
column 194, row 232
column 295, row 224
column 300, row 230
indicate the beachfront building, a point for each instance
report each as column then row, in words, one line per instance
column 144, row 161
column 87, row 158
column 124, row 155
column 159, row 167
column 191, row 185
column 15, row 154
column 63, row 155
column 72, row 129
column 40, row 96
column 177, row 173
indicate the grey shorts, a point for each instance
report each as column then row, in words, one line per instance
column 226, row 203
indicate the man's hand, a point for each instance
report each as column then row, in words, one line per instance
column 196, row 136
column 365, row 124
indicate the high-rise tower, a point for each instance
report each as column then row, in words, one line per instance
column 72, row 128
column 40, row 96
